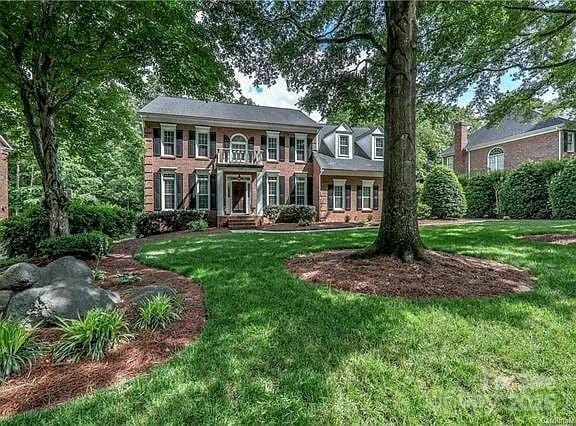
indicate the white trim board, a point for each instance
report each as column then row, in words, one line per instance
column 526, row 135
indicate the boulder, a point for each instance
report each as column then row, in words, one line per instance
column 68, row 268
column 143, row 294
column 22, row 276
column 5, row 296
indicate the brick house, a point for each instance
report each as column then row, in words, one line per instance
column 233, row 160
column 509, row 144
column 5, row 150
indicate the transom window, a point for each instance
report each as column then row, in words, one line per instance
column 300, row 190
column 569, row 141
column 300, row 148
column 496, row 159
column 272, row 146
column 168, row 140
column 202, row 142
column 272, row 191
column 339, row 190
column 168, row 191
column 343, row 146
column 379, row 147
column 367, row 193
column 203, row 192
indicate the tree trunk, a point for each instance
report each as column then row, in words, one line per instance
column 398, row 235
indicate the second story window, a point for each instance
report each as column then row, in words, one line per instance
column 272, row 146
column 378, row 148
column 569, row 141
column 202, row 142
column 344, row 146
column 168, row 140
column 300, row 148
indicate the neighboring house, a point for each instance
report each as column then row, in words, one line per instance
column 233, row 160
column 5, row 150
column 511, row 143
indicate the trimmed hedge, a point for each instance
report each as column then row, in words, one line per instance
column 152, row 223
column 290, row 213
column 112, row 220
column 89, row 245
column 524, row 193
column 443, row 193
column 482, row 194
column 562, row 191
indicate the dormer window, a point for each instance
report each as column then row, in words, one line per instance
column 344, row 148
column 378, row 148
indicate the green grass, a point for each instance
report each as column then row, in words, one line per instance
column 278, row 350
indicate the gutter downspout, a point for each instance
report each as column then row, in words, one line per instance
column 319, row 189
column 559, row 143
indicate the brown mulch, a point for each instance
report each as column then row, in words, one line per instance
column 49, row 383
column 316, row 226
column 562, row 239
column 441, row 275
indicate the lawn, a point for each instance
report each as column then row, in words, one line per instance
column 278, row 350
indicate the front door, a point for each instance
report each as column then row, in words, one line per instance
column 238, row 197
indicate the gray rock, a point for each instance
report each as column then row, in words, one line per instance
column 5, row 296
column 22, row 276
column 143, row 294
column 69, row 300
column 68, row 268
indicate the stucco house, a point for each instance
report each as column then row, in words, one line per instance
column 233, row 160
column 5, row 150
column 509, row 144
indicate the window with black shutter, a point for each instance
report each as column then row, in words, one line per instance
column 156, row 142
column 330, row 197
column 359, row 197
column 348, row 196
column 212, row 144
column 282, row 149
column 157, row 191
column 191, row 144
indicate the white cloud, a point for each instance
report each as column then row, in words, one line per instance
column 277, row 95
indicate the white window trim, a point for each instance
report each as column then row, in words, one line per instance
column 303, row 176
column 171, row 128
column 163, row 175
column 202, row 130
column 447, row 159
column 276, row 135
column 488, row 159
column 374, row 156
column 338, row 135
column 342, row 183
column 570, row 135
column 207, row 174
column 268, row 176
column 304, row 137
column 367, row 184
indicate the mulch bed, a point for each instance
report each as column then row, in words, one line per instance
column 442, row 275
column 562, row 239
column 49, row 383
column 317, row 226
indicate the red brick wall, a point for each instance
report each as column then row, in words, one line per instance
column 460, row 143
column 535, row 148
column 3, row 186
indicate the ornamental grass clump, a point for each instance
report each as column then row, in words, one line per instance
column 91, row 337
column 158, row 312
column 18, row 348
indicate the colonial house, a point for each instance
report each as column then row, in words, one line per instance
column 233, row 160
column 509, row 144
column 5, row 150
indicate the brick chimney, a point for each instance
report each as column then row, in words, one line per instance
column 460, row 143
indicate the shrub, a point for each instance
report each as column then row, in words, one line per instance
column 18, row 348
column 90, row 245
column 198, row 225
column 423, row 211
column 272, row 212
column 482, row 194
column 552, row 167
column 21, row 234
column 158, row 312
column 291, row 213
column 524, row 193
column 443, row 193
column 92, row 336
column 151, row 223
column 128, row 278
column 563, row 192
column 303, row 222
column 112, row 220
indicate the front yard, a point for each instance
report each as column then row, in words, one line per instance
column 278, row 350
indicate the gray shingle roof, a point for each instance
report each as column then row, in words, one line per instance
column 222, row 111
column 355, row 164
column 448, row 151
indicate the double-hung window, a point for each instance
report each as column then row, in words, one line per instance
column 168, row 139
column 202, row 141
column 378, row 148
column 569, row 141
column 449, row 162
column 203, row 191
column 344, row 146
column 339, row 193
column 272, row 190
column 300, row 148
column 300, row 190
column 272, row 146
column 168, row 191
column 367, row 194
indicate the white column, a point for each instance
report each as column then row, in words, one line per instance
column 259, row 195
column 220, row 191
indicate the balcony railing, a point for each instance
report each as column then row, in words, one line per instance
column 239, row 156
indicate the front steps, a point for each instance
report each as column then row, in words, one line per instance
column 242, row 222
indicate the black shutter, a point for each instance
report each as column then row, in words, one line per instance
column 156, row 142
column 359, row 197
column 263, row 144
column 292, row 189
column 310, row 148
column 157, row 191
column 179, row 186
column 348, row 194
column 192, row 190
column 282, row 190
column 226, row 142
column 179, row 137
column 330, row 197
column 565, row 141
column 213, row 192
column 309, row 191
column 265, row 190
column 191, row 144
column 375, row 198
column 212, row 153
column 282, row 143
column 292, row 149
column 251, row 144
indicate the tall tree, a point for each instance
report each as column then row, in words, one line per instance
column 51, row 52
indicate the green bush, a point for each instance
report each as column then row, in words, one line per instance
column 443, row 193
column 524, row 193
column 18, row 348
column 482, row 194
column 563, row 192
column 272, row 212
column 90, row 245
column 552, row 167
column 158, row 312
column 198, row 225
column 90, row 337
column 423, row 211
column 107, row 218
column 151, row 223
column 290, row 213
column 20, row 234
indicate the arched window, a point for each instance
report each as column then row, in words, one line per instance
column 496, row 159
column 238, row 148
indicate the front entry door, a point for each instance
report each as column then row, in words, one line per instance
column 238, row 197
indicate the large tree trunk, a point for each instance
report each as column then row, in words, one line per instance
column 398, row 235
